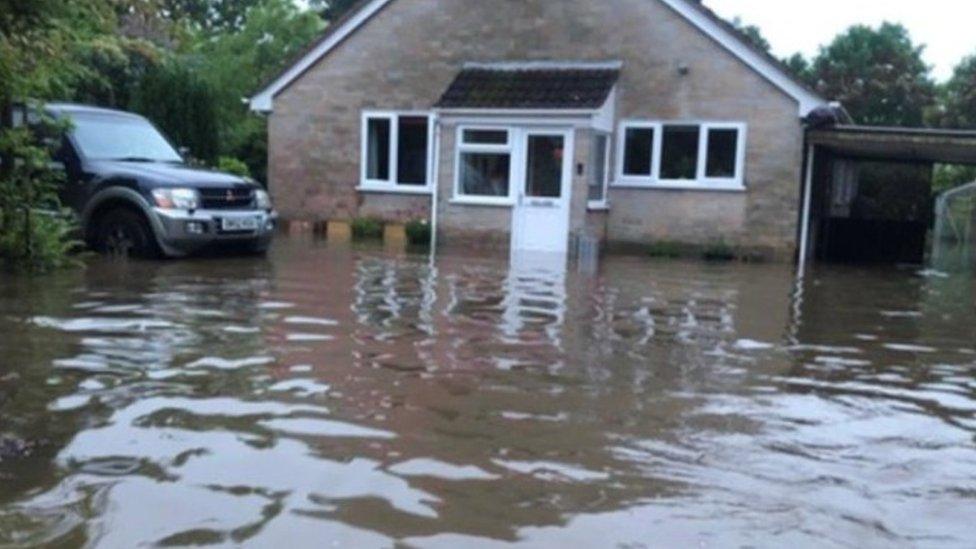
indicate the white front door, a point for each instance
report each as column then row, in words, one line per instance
column 543, row 185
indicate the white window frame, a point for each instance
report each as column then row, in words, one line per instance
column 508, row 148
column 607, row 171
column 701, row 182
column 392, row 185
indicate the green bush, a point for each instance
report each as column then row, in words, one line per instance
column 233, row 166
column 665, row 248
column 176, row 98
column 41, row 242
column 367, row 228
column 35, row 231
column 418, row 232
column 718, row 250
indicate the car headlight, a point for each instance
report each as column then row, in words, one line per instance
column 176, row 199
column 262, row 199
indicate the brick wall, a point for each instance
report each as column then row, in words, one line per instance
column 405, row 57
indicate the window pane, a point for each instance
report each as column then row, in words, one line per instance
column 485, row 174
column 679, row 152
column 412, row 150
column 486, row 137
column 638, row 143
column 722, row 148
column 544, row 172
column 598, row 167
column 111, row 137
column 378, row 149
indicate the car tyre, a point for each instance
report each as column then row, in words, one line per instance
column 124, row 233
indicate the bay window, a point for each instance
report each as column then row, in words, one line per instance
column 699, row 155
column 396, row 151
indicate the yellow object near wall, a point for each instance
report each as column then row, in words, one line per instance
column 338, row 231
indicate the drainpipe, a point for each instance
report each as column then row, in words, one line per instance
column 805, row 217
column 435, row 192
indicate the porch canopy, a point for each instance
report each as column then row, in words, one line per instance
column 897, row 144
column 536, row 86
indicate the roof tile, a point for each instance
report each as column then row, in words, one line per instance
column 530, row 88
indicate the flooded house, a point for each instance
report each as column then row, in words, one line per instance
column 530, row 124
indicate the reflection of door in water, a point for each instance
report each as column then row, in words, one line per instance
column 535, row 301
column 540, row 219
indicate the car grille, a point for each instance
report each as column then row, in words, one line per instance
column 227, row 198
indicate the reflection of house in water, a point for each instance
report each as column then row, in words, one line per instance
column 522, row 369
column 470, row 395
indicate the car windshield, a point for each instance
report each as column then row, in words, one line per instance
column 112, row 137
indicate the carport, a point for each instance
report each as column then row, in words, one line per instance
column 849, row 220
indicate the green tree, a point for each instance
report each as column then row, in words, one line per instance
column 800, row 67
column 176, row 97
column 958, row 97
column 40, row 46
column 236, row 64
column 332, row 9
column 209, row 15
column 115, row 65
column 877, row 74
column 752, row 34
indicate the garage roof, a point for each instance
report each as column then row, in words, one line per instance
column 898, row 144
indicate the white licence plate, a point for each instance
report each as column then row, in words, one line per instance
column 237, row 224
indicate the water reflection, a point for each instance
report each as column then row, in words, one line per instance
column 364, row 396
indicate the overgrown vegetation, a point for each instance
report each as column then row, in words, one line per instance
column 37, row 40
column 364, row 228
column 666, row 248
column 233, row 166
column 718, row 250
column 36, row 233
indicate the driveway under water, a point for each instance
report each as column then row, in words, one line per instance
column 358, row 396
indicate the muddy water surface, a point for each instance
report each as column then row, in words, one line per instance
column 367, row 398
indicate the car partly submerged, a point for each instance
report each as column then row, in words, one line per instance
column 135, row 194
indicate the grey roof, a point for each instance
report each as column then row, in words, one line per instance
column 897, row 144
column 531, row 86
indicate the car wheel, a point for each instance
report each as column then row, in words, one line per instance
column 125, row 233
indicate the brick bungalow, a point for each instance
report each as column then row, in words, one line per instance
column 530, row 122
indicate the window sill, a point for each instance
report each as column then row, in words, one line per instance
column 394, row 189
column 681, row 186
column 601, row 206
column 469, row 201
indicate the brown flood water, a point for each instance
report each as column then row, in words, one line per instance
column 361, row 397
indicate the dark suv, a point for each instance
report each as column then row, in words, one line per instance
column 135, row 195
